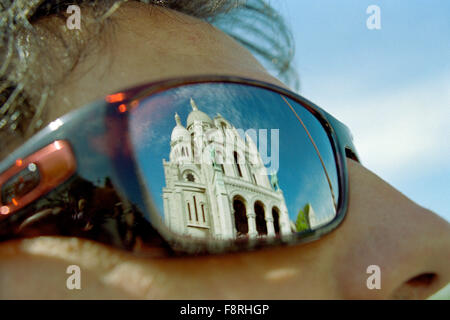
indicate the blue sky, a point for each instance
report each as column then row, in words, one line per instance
column 390, row 86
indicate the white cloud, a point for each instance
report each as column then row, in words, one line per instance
column 394, row 132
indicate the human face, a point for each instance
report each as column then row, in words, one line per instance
column 382, row 227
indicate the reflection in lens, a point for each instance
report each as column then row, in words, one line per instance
column 227, row 161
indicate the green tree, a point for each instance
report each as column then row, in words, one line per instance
column 302, row 222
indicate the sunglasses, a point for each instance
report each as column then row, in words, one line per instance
column 197, row 165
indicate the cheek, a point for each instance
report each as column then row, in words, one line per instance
column 24, row 276
column 363, row 239
column 381, row 228
column 37, row 268
column 297, row 272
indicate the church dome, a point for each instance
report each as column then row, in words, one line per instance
column 179, row 131
column 197, row 115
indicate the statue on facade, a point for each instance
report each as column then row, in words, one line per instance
column 274, row 181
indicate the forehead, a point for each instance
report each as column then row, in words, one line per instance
column 148, row 43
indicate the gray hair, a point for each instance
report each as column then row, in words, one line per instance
column 22, row 105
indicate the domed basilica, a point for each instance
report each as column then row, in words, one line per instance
column 217, row 185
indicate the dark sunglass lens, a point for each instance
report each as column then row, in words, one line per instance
column 230, row 161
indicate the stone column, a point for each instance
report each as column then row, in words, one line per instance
column 167, row 212
column 251, row 217
column 180, row 221
column 224, row 211
column 285, row 226
column 270, row 227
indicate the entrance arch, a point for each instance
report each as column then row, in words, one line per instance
column 261, row 226
column 276, row 220
column 240, row 216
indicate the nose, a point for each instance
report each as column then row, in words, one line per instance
column 407, row 244
column 421, row 265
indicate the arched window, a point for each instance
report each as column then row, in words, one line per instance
column 192, row 144
column 195, row 207
column 190, row 177
column 203, row 212
column 236, row 162
column 240, row 217
column 189, row 211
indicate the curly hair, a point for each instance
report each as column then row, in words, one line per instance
column 25, row 80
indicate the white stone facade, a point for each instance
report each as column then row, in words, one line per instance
column 314, row 221
column 216, row 183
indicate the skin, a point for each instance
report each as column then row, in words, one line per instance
column 382, row 226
